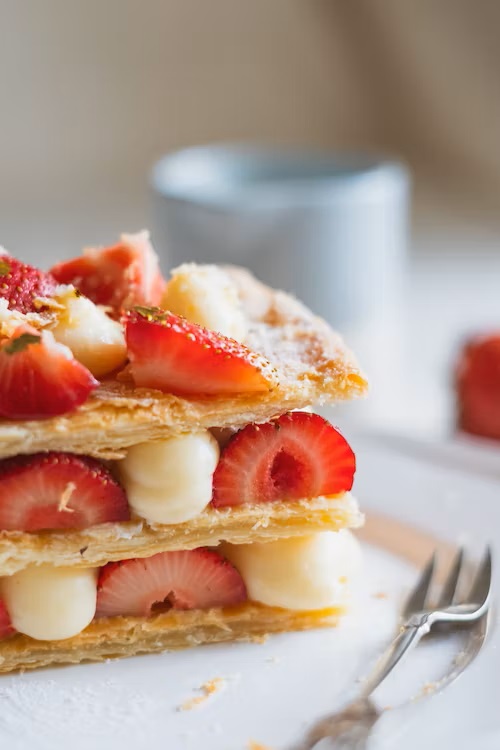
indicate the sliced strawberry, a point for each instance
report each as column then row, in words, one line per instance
column 168, row 353
column 119, row 277
column 6, row 628
column 188, row 579
column 21, row 284
column 299, row 455
column 40, row 378
column 478, row 387
column 58, row 491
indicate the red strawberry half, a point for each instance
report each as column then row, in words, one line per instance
column 478, row 387
column 119, row 277
column 168, row 353
column 188, row 579
column 58, row 491
column 40, row 378
column 21, row 284
column 299, row 455
column 6, row 628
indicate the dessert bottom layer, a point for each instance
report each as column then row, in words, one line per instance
column 115, row 637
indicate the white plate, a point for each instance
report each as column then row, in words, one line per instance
column 270, row 693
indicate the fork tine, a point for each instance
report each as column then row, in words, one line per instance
column 416, row 599
column 449, row 589
column 482, row 583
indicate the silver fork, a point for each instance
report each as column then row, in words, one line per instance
column 350, row 728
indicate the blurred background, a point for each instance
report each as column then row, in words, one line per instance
column 94, row 93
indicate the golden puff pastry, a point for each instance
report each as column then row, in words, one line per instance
column 242, row 524
column 127, row 636
column 311, row 363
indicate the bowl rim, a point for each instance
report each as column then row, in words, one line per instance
column 213, row 175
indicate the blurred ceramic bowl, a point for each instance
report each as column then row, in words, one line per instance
column 331, row 229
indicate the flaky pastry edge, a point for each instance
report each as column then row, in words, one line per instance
column 242, row 524
column 119, row 637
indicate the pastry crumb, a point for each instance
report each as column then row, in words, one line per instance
column 428, row 688
column 251, row 745
column 212, row 686
column 260, row 638
column 380, row 595
column 206, row 690
column 193, row 703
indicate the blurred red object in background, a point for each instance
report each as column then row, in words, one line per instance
column 477, row 381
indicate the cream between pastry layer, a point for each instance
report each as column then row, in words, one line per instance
column 299, row 573
column 170, row 481
column 49, row 603
column 305, row 573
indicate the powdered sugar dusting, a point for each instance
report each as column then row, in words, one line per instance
column 69, row 711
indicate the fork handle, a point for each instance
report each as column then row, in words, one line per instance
column 351, row 728
column 403, row 643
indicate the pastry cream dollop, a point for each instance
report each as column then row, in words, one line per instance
column 299, row 573
column 97, row 341
column 170, row 480
column 51, row 603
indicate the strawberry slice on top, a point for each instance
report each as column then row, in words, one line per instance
column 297, row 456
column 119, row 277
column 58, row 491
column 186, row 579
column 169, row 353
column 22, row 285
column 40, row 378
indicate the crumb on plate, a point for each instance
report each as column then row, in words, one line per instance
column 428, row 688
column 206, row 690
column 260, row 638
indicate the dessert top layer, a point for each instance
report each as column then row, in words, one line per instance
column 310, row 364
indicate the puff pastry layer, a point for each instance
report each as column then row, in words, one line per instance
column 128, row 636
column 311, row 362
column 118, row 541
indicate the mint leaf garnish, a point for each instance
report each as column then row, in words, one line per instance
column 22, row 341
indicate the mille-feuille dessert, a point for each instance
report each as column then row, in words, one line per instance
column 162, row 481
